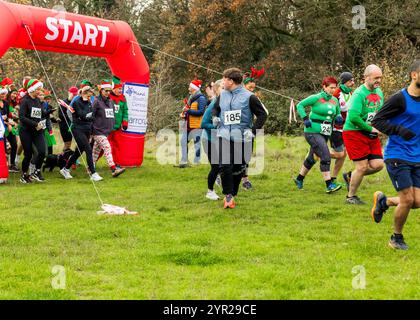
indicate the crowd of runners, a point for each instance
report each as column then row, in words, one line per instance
column 352, row 120
column 224, row 121
column 92, row 121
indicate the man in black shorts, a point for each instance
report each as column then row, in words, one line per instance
column 400, row 119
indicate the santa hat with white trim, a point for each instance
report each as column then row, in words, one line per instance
column 106, row 84
column 3, row 90
column 33, row 85
column 196, row 84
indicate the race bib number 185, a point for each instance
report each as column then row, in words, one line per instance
column 232, row 117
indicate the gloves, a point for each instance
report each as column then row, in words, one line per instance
column 307, row 123
column 339, row 120
column 124, row 125
column 406, row 134
column 216, row 122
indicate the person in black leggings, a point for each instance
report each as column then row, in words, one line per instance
column 82, row 130
column 32, row 117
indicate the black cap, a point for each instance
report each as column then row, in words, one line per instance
column 345, row 76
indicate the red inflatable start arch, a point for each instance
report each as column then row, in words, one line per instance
column 70, row 33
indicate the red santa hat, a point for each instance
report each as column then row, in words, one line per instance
column 106, row 84
column 196, row 84
column 33, row 84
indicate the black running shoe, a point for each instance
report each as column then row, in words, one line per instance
column 37, row 176
column 13, row 169
column 378, row 209
column 397, row 242
column 354, row 200
column 25, row 179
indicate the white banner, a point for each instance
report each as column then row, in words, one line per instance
column 137, row 101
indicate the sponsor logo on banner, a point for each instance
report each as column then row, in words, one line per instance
column 137, row 102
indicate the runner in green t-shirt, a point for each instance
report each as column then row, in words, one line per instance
column 318, row 127
column 360, row 138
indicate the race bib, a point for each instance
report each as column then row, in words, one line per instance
column 117, row 108
column 232, row 117
column 109, row 113
column 36, row 113
column 370, row 117
column 326, row 129
column 43, row 124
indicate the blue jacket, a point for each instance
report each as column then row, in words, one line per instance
column 207, row 122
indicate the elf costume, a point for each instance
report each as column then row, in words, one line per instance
column 324, row 109
column 121, row 118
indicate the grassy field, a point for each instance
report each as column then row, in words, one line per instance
column 279, row 243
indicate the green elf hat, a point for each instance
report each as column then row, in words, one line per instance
column 85, row 83
column 116, row 82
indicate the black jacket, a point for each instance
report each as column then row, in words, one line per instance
column 31, row 113
column 104, row 116
column 83, row 114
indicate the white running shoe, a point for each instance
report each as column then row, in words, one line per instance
column 66, row 173
column 212, row 195
column 96, row 177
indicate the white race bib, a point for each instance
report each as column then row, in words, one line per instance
column 109, row 113
column 43, row 124
column 36, row 113
column 370, row 117
column 117, row 108
column 326, row 129
column 232, row 117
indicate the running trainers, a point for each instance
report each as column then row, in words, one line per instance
column 13, row 169
column 25, row 179
column 37, row 176
column 117, row 171
column 66, row 173
column 397, row 242
column 229, row 202
column 247, row 185
column 212, row 195
column 354, row 200
column 96, row 177
column 378, row 208
column 347, row 177
column 333, row 188
column 299, row 183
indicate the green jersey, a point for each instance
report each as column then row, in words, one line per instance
column 364, row 105
column 324, row 109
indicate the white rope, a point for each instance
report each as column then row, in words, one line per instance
column 211, row 70
column 56, row 98
column 81, row 70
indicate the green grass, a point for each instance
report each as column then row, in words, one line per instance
column 279, row 243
